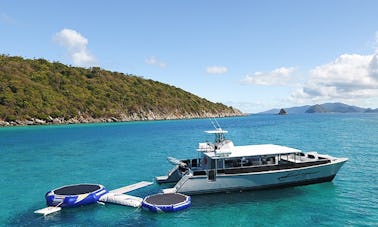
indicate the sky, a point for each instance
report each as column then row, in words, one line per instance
column 253, row 55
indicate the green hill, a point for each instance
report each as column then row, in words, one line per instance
column 38, row 91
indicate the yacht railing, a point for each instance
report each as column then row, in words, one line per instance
column 183, row 180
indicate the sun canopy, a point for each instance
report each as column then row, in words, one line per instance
column 255, row 150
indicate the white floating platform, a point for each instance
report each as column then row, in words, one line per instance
column 47, row 210
column 132, row 187
column 122, row 199
column 117, row 196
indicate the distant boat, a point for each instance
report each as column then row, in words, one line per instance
column 222, row 166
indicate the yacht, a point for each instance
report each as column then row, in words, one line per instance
column 221, row 167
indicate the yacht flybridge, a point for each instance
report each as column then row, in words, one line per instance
column 222, row 166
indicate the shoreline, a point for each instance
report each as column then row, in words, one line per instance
column 89, row 120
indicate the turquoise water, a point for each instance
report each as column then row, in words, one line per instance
column 37, row 159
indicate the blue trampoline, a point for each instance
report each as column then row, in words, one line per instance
column 170, row 202
column 75, row 195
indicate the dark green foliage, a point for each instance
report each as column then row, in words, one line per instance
column 41, row 89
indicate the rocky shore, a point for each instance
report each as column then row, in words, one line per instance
column 122, row 118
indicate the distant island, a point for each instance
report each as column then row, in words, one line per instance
column 41, row 92
column 323, row 108
column 282, row 112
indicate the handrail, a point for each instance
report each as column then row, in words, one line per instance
column 183, row 180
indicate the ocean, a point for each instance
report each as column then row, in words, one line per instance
column 36, row 159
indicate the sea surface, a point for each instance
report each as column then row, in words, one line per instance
column 36, row 159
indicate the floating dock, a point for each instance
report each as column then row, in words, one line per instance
column 47, row 210
column 83, row 194
column 117, row 196
column 132, row 187
column 122, row 199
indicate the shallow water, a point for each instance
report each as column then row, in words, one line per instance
column 37, row 159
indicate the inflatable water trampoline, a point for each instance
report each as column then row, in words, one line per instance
column 170, row 202
column 75, row 195
column 84, row 194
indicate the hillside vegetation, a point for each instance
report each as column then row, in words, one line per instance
column 38, row 90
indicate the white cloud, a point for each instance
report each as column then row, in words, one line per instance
column 376, row 42
column 351, row 77
column 278, row 76
column 154, row 61
column 216, row 69
column 76, row 46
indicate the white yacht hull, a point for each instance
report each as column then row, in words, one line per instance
column 190, row 184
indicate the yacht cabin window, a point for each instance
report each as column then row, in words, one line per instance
column 249, row 161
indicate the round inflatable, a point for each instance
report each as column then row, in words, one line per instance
column 75, row 195
column 170, row 202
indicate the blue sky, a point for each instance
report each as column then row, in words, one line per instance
column 253, row 55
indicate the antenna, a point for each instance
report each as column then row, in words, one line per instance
column 215, row 123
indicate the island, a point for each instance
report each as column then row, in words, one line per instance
column 282, row 112
column 336, row 107
column 36, row 91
